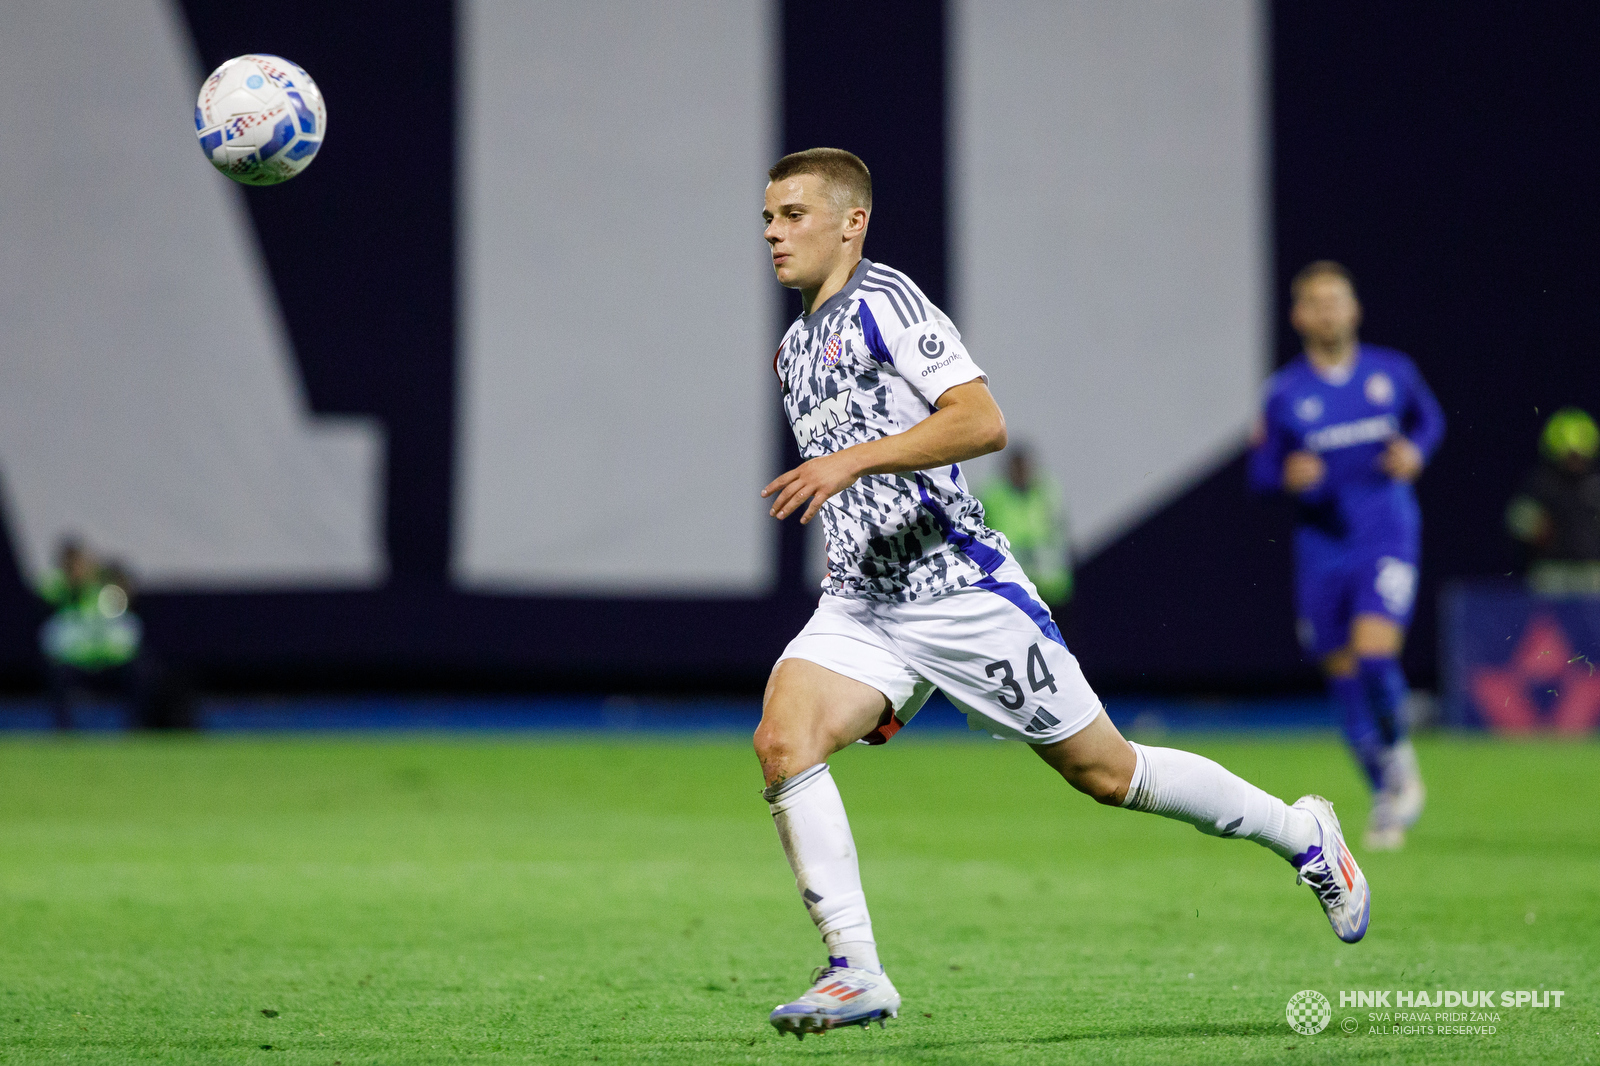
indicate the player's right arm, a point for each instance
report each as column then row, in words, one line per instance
column 966, row 424
column 1423, row 418
column 925, row 349
column 1276, row 465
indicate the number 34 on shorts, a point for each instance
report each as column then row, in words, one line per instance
column 1039, row 678
column 995, row 654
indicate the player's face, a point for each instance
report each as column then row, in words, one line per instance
column 806, row 232
column 1326, row 312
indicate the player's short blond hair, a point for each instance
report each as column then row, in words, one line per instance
column 1322, row 268
column 848, row 179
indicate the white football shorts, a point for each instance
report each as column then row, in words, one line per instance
column 991, row 647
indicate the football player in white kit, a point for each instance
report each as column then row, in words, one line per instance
column 885, row 403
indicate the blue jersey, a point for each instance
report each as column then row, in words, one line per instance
column 1348, row 423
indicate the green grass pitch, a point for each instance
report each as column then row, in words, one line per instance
column 546, row 899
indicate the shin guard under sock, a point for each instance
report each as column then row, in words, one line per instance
column 1191, row 788
column 815, row 832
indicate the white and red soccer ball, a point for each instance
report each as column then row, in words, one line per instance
column 260, row 119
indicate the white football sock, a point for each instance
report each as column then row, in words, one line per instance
column 1192, row 788
column 822, row 853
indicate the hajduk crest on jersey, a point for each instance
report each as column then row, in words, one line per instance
column 831, row 351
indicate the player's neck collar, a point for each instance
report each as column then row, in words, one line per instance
column 1339, row 375
column 840, row 298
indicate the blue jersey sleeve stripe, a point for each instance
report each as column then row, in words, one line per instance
column 874, row 336
column 989, row 560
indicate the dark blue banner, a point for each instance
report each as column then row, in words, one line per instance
column 1515, row 662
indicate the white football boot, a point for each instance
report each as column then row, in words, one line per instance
column 1384, row 829
column 1333, row 875
column 1397, row 806
column 839, row 995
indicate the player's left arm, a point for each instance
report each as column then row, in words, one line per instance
column 966, row 424
column 1406, row 455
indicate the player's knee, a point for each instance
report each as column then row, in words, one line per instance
column 773, row 742
column 1102, row 780
column 1373, row 636
column 1096, row 761
column 1374, row 646
column 1102, row 784
column 1341, row 663
column 788, row 743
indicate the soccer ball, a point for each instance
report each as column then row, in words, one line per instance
column 260, row 119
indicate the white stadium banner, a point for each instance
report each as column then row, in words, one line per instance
column 1110, row 233
column 149, row 399
column 616, row 416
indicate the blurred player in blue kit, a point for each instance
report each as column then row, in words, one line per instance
column 1347, row 427
column 885, row 403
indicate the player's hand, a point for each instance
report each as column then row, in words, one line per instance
column 1401, row 460
column 816, row 480
column 1302, row 471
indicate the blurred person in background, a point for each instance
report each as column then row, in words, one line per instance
column 1346, row 429
column 1026, row 506
column 1555, row 515
column 93, row 641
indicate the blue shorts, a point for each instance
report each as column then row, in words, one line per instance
column 1331, row 588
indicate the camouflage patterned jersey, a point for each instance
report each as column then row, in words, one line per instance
column 868, row 362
